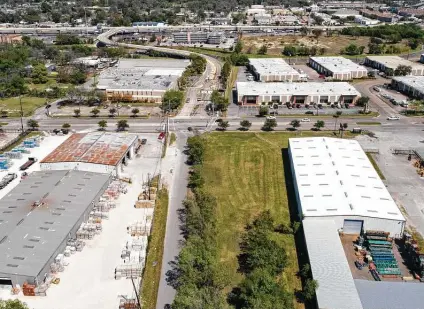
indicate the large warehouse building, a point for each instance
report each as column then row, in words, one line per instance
column 273, row 70
column 338, row 68
column 251, row 93
column 388, row 64
column 99, row 152
column 338, row 191
column 334, row 179
column 411, row 85
column 39, row 216
column 141, row 79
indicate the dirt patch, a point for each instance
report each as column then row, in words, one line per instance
column 275, row 44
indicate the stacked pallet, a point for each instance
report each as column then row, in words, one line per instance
column 28, row 289
column 128, row 304
column 129, row 271
column 140, row 228
column 380, row 247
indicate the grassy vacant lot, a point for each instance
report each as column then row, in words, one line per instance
column 29, row 105
column 245, row 172
column 151, row 276
column 333, row 44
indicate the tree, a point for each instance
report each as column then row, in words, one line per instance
column 122, row 125
column 112, row 111
column 309, row 290
column 218, row 100
column 102, row 125
column 152, row 38
column 245, row 125
column 12, row 304
column 403, row 70
column 172, row 100
column 262, row 50
column 343, row 127
column 336, row 117
column 195, row 150
column 239, row 47
column 362, row 101
column 317, row 33
column 95, row 112
column 305, row 271
column 33, row 124
column 319, row 124
column 269, row 124
column 39, row 74
column 77, row 77
column 295, row 124
column 77, row 112
column 66, row 126
column 223, row 125
column 4, row 113
column 290, row 50
column 304, row 31
column 263, row 111
column 135, row 111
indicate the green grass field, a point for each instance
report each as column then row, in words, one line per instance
column 151, row 276
column 29, row 105
column 375, row 165
column 245, row 172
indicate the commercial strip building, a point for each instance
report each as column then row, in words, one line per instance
column 273, row 70
column 339, row 68
column 98, row 152
column 39, row 216
column 389, row 64
column 338, row 191
column 141, row 79
column 187, row 37
column 381, row 16
column 253, row 93
column 413, row 86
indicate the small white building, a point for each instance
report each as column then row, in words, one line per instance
column 362, row 20
column 339, row 68
column 334, row 180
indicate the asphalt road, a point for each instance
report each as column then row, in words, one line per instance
column 173, row 235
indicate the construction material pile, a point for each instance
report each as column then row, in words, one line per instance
column 24, row 148
column 5, row 163
column 128, row 304
column 380, row 248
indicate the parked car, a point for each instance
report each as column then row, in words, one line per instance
column 376, row 89
column 7, row 179
column 270, row 117
column 305, row 120
column 143, row 141
column 161, row 136
column 393, row 118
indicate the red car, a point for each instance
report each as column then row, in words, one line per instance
column 161, row 135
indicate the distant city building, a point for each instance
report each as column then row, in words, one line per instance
column 389, row 64
column 362, row 20
column 256, row 10
column 339, row 68
column 345, row 13
column 381, row 16
column 253, row 93
column 148, row 24
column 408, row 12
column 264, row 19
column 273, row 70
column 10, row 39
column 185, row 37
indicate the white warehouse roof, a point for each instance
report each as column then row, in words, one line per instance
column 338, row 64
column 336, row 287
column 416, row 82
column 392, row 62
column 323, row 89
column 335, row 178
column 272, row 66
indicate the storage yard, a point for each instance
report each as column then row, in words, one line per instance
column 108, row 248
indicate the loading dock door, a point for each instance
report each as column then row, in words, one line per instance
column 352, row 226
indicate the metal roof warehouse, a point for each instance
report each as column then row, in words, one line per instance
column 335, row 179
column 273, row 69
column 32, row 235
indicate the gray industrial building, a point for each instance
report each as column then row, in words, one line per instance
column 187, row 37
column 388, row 64
column 39, row 216
column 412, row 86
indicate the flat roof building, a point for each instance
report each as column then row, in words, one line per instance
column 100, row 152
column 141, row 79
column 413, row 86
column 388, row 64
column 253, row 93
column 273, row 70
column 339, row 68
column 38, row 217
column 334, row 179
column 188, row 37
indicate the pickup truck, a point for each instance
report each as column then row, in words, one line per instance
column 7, row 179
column 28, row 163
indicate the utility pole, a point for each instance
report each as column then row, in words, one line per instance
column 136, row 293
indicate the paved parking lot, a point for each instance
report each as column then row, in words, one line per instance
column 313, row 75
